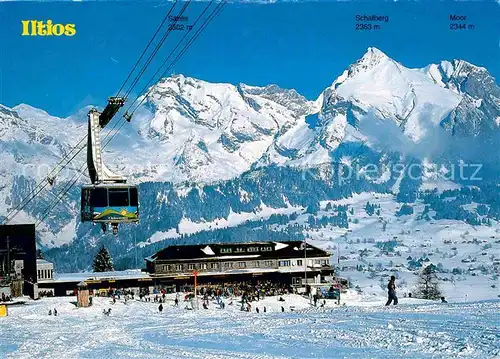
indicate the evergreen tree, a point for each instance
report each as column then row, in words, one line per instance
column 369, row 208
column 405, row 209
column 428, row 284
column 313, row 208
column 103, row 261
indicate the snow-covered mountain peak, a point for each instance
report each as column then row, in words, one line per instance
column 25, row 110
column 377, row 87
column 374, row 62
column 239, row 113
column 464, row 68
column 450, row 74
column 371, row 59
column 10, row 122
column 288, row 98
column 213, row 131
column 8, row 112
column 372, row 56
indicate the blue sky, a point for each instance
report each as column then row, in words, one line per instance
column 295, row 45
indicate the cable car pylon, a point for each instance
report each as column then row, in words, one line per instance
column 108, row 200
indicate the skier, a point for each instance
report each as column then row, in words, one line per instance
column 55, row 311
column 160, row 307
column 391, row 287
column 50, row 311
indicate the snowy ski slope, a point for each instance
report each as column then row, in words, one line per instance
column 414, row 329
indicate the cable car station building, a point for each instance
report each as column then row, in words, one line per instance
column 283, row 262
column 173, row 268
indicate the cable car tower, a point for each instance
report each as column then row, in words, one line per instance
column 108, row 200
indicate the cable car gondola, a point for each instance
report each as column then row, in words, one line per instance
column 110, row 203
column 108, row 200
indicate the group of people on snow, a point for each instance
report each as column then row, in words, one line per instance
column 253, row 291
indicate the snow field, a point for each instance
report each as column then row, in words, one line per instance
column 361, row 329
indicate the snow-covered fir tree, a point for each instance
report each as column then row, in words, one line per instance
column 103, row 261
column 428, row 284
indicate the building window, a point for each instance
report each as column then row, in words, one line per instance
column 256, row 264
column 239, row 250
column 324, row 262
column 242, row 264
column 228, row 265
column 268, row 263
column 213, row 266
column 226, row 250
column 203, row 266
column 299, row 262
column 266, row 249
column 191, row 266
column 253, row 249
column 178, row 267
column 317, row 261
column 284, row 263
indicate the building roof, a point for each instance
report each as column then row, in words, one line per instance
column 42, row 261
column 236, row 251
column 83, row 276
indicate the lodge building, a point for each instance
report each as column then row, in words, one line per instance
column 173, row 268
column 285, row 262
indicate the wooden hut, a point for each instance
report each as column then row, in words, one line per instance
column 82, row 294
